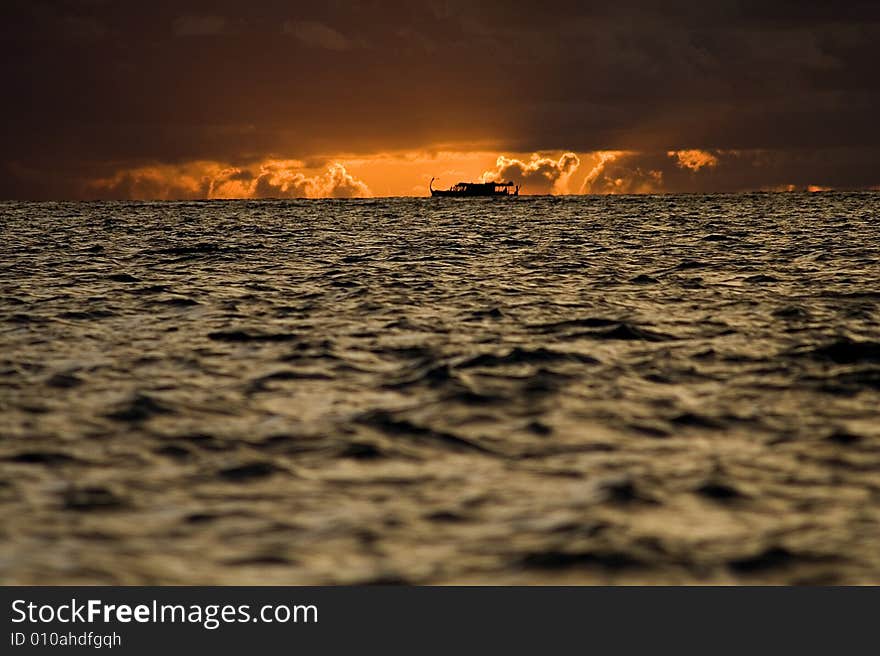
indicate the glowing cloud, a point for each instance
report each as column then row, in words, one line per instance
column 539, row 175
column 281, row 179
column 601, row 159
column 621, row 172
column 213, row 180
column 694, row 159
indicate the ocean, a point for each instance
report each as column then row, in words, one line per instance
column 567, row 390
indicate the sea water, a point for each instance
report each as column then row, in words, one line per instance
column 644, row 389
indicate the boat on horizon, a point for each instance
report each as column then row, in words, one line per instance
column 472, row 189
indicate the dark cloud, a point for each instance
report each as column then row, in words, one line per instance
column 206, row 25
column 316, row 35
column 94, row 87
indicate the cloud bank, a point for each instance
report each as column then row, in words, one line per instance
column 561, row 172
column 213, row 180
column 537, row 175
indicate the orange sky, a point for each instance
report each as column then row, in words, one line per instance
column 410, row 173
column 384, row 174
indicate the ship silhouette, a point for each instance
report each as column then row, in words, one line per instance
column 469, row 189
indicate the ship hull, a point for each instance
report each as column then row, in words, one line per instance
column 445, row 193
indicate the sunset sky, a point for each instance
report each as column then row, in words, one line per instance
column 193, row 99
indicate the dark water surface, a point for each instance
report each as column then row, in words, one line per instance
column 556, row 390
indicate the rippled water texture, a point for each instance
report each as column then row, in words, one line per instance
column 554, row 390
